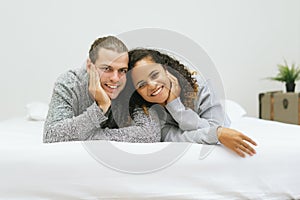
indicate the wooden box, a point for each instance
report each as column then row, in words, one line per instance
column 279, row 106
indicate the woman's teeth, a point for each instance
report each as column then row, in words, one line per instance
column 156, row 92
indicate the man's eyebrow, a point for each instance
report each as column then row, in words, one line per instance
column 105, row 65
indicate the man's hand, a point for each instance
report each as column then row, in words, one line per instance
column 236, row 141
column 97, row 91
column 174, row 87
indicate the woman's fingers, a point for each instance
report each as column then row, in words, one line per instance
column 239, row 152
column 244, row 137
column 247, row 148
column 236, row 141
column 173, row 79
column 250, row 150
column 174, row 87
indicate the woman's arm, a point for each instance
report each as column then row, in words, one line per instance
column 208, row 111
column 186, row 118
column 172, row 133
column 230, row 138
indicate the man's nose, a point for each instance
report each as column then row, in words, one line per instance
column 115, row 76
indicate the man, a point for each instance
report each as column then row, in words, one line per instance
column 80, row 107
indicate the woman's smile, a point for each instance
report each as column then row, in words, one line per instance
column 157, row 91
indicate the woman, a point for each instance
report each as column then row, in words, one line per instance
column 190, row 112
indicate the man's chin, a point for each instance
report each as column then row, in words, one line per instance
column 113, row 96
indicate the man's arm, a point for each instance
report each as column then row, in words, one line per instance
column 146, row 129
column 62, row 124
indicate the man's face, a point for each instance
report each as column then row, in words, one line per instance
column 112, row 68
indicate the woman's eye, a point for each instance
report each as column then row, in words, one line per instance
column 154, row 75
column 141, row 85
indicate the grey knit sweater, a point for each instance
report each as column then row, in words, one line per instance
column 74, row 115
column 197, row 125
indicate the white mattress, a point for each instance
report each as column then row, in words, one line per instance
column 30, row 169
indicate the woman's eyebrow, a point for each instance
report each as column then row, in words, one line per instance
column 152, row 73
column 141, row 81
column 138, row 83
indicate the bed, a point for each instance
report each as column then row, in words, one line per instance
column 30, row 169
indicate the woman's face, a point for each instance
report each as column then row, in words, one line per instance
column 151, row 81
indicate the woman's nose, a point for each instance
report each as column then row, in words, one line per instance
column 151, row 84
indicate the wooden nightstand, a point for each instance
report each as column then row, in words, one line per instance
column 279, row 106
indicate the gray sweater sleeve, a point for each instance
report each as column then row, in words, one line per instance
column 145, row 128
column 64, row 123
column 186, row 118
column 198, row 125
column 208, row 135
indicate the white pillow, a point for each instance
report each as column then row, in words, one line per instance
column 37, row 111
column 234, row 110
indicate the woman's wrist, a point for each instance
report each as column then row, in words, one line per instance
column 219, row 132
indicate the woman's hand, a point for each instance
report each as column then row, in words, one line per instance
column 97, row 91
column 236, row 141
column 174, row 87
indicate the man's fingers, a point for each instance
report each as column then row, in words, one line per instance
column 91, row 80
column 95, row 76
column 93, row 84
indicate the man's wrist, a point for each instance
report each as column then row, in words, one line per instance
column 104, row 108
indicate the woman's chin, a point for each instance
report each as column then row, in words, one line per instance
column 158, row 101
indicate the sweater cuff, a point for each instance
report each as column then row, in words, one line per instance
column 96, row 115
column 175, row 106
column 213, row 135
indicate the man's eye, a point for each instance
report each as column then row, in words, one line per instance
column 123, row 71
column 106, row 69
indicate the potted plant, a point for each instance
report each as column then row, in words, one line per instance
column 288, row 75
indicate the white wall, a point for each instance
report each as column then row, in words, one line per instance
column 245, row 39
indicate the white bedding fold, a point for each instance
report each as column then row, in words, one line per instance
column 30, row 169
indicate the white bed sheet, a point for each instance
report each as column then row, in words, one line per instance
column 30, row 169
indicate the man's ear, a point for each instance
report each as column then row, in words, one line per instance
column 88, row 64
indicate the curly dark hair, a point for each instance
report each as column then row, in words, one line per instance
column 187, row 82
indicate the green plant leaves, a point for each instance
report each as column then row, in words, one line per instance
column 287, row 74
